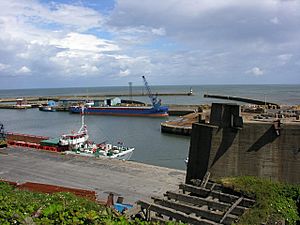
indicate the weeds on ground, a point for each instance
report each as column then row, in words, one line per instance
column 24, row 207
column 275, row 201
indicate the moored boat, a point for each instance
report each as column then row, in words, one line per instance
column 105, row 151
column 79, row 143
column 156, row 110
column 50, row 107
column 47, row 108
column 123, row 111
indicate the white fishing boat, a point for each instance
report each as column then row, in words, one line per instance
column 47, row 108
column 79, row 143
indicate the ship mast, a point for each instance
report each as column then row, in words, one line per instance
column 83, row 126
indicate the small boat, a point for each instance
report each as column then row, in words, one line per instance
column 50, row 107
column 47, row 108
column 21, row 104
column 79, row 143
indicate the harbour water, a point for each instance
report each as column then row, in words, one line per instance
column 143, row 133
column 151, row 146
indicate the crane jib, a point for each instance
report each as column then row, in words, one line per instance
column 156, row 103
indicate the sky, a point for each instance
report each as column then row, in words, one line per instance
column 89, row 43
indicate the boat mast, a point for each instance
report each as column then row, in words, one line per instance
column 83, row 126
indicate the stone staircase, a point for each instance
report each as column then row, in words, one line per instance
column 201, row 203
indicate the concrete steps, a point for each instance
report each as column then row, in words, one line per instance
column 210, row 203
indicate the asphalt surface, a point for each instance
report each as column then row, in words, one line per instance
column 131, row 180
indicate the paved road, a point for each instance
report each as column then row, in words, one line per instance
column 131, row 180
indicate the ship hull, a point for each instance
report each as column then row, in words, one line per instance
column 125, row 155
column 123, row 111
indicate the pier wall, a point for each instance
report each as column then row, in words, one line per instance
column 261, row 149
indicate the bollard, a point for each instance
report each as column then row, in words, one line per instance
column 110, row 200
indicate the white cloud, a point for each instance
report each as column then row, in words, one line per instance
column 3, row 66
column 124, row 73
column 89, row 68
column 72, row 16
column 210, row 21
column 23, row 70
column 274, row 20
column 211, row 41
column 77, row 16
column 159, row 31
column 84, row 43
column 285, row 57
column 256, row 71
column 27, row 37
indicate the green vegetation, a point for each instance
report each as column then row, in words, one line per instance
column 274, row 201
column 24, row 207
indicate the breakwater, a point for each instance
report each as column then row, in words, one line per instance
column 243, row 99
column 83, row 97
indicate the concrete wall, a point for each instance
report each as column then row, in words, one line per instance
column 255, row 149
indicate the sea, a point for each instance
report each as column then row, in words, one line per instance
column 151, row 146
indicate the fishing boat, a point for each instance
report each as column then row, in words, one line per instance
column 156, row 110
column 79, row 143
column 50, row 107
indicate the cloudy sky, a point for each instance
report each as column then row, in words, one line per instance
column 98, row 43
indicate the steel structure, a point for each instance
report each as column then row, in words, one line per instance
column 156, row 103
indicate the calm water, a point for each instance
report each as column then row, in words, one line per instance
column 152, row 147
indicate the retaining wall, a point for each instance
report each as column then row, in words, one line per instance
column 258, row 149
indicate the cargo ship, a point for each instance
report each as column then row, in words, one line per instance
column 156, row 110
column 123, row 111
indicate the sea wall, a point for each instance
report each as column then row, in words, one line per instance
column 270, row 150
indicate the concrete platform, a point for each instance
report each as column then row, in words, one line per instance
column 134, row 181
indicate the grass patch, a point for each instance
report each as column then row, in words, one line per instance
column 24, row 207
column 275, row 201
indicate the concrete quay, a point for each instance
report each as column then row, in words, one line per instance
column 181, row 125
column 131, row 180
